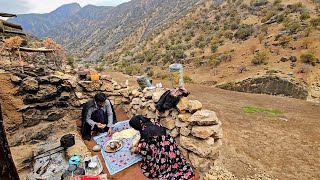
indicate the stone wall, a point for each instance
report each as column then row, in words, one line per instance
column 52, row 102
column 198, row 131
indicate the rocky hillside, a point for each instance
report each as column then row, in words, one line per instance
column 40, row 24
column 91, row 31
column 235, row 40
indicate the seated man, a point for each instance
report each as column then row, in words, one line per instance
column 97, row 115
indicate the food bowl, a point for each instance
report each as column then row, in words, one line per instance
column 113, row 145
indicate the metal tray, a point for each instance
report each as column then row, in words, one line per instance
column 110, row 141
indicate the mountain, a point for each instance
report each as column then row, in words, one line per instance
column 235, row 41
column 91, row 31
column 40, row 24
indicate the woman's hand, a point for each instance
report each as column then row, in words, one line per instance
column 110, row 131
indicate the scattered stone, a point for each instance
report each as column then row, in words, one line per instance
column 293, row 58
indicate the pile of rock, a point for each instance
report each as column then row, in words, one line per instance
column 198, row 131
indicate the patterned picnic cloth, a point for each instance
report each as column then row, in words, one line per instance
column 121, row 159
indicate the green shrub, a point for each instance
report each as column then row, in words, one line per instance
column 295, row 7
column 304, row 16
column 214, row 48
column 315, row 22
column 228, row 34
column 308, row 58
column 71, row 61
column 260, row 58
column 244, row 32
column 259, row 2
column 276, row 2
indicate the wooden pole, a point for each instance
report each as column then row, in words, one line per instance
column 8, row 170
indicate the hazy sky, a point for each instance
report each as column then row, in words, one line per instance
column 45, row 6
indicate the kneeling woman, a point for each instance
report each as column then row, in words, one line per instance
column 161, row 157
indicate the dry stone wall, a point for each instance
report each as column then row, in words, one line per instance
column 53, row 100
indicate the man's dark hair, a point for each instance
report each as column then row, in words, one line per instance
column 100, row 97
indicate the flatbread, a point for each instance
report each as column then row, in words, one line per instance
column 136, row 140
column 125, row 134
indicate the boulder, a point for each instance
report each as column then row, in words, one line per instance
column 148, row 94
column 107, row 86
column 204, row 118
column 90, row 86
column 135, row 93
column 204, row 132
column 201, row 164
column 30, row 84
column 185, row 131
column 293, row 58
column 136, row 101
column 215, row 149
column 183, row 104
column 152, row 107
column 198, row 146
column 156, row 95
column 194, row 105
column 151, row 115
column 184, row 117
column 15, row 79
column 53, row 114
column 43, row 79
column 54, row 79
column 168, row 122
column 181, row 123
column 31, row 117
column 46, row 93
column 124, row 92
column 175, row 132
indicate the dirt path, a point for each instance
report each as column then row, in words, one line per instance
column 285, row 146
